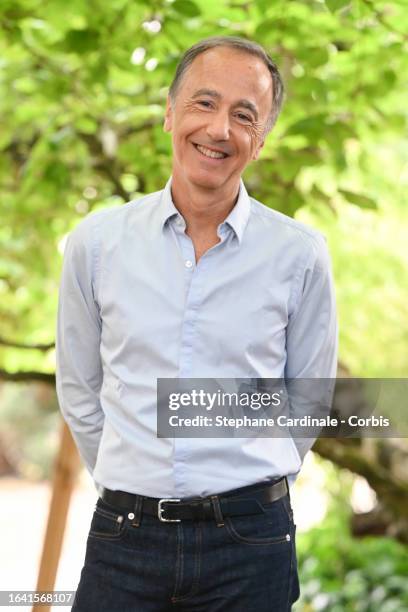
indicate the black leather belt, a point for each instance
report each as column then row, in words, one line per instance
column 243, row 501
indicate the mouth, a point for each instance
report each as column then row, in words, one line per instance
column 209, row 154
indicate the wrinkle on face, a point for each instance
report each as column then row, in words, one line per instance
column 255, row 132
column 191, row 105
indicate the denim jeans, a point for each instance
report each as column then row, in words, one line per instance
column 247, row 565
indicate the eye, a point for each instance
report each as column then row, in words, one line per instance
column 243, row 117
column 205, row 103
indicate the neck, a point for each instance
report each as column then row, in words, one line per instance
column 203, row 209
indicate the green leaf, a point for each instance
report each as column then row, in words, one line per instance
column 82, row 41
column 312, row 127
column 317, row 56
column 268, row 27
column 359, row 199
column 336, row 5
column 187, row 8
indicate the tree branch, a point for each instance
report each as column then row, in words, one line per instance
column 381, row 20
column 21, row 345
column 104, row 165
column 28, row 376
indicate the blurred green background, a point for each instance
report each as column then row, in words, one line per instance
column 83, row 86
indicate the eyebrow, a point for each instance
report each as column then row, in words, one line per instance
column 215, row 94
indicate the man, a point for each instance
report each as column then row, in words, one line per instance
column 195, row 281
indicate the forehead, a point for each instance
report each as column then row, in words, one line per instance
column 231, row 72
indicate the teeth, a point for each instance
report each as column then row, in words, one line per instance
column 210, row 153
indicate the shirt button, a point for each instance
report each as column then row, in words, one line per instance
column 188, row 263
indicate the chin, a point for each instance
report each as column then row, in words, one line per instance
column 205, row 180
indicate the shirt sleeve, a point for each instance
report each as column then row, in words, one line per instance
column 78, row 333
column 312, row 341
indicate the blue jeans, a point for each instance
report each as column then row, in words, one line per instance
column 248, row 565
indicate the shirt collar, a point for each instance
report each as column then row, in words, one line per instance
column 237, row 219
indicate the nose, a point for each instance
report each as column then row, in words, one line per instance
column 218, row 127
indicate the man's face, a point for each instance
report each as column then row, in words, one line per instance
column 222, row 105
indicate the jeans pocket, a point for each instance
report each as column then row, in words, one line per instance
column 273, row 526
column 295, row 586
column 107, row 524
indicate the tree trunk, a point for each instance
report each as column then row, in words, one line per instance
column 384, row 464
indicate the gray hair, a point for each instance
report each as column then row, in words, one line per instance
column 234, row 42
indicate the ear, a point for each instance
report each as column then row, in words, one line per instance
column 258, row 150
column 168, row 116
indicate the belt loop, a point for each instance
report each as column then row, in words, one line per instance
column 287, row 487
column 138, row 511
column 217, row 511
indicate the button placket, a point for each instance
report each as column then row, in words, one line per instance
column 193, row 297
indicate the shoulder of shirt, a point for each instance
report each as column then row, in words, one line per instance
column 312, row 239
column 98, row 218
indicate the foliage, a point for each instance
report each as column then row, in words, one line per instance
column 370, row 265
column 341, row 574
column 82, row 92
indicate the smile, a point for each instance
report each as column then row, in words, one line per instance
column 209, row 153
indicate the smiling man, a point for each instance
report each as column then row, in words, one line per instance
column 217, row 130
column 198, row 280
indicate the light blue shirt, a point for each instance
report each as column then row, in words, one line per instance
column 134, row 306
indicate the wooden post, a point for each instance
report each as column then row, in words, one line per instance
column 66, row 469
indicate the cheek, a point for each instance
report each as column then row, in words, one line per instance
column 186, row 127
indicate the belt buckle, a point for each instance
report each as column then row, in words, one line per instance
column 160, row 510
